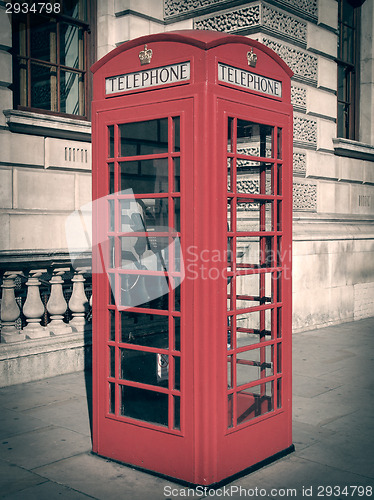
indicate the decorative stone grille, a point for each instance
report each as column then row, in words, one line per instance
column 298, row 98
column 231, row 21
column 305, row 132
column 305, row 196
column 299, row 164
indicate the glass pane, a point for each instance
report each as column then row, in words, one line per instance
column 177, row 214
column 112, row 327
column 111, row 284
column 253, row 365
column 144, row 291
column 141, row 404
column 177, row 295
column 143, row 214
column 176, row 129
column 253, row 327
column 177, row 175
column 280, row 187
column 254, row 216
column 229, row 174
column 253, row 252
column 279, row 393
column 112, row 397
column 177, row 373
column 145, row 176
column 75, row 8
column 71, row 46
column 111, row 178
column 279, row 322
column 43, row 87
column 111, row 248
column 279, row 144
column 229, row 332
column 177, row 412
column 230, row 413
column 111, row 214
column 230, row 134
column 254, row 402
column 254, row 139
column 230, row 371
column 144, row 138
column 279, row 358
column 177, row 334
column 230, row 222
column 253, row 290
column 71, row 93
column 112, row 362
column 144, row 367
column 253, row 177
column 145, row 253
column 150, row 330
column 111, row 140
column 43, row 39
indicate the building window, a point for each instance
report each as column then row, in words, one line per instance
column 348, row 69
column 51, row 59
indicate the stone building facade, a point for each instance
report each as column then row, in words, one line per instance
column 45, row 153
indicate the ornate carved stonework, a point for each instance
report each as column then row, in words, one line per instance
column 231, row 21
column 284, row 24
column 263, row 15
column 302, row 64
column 299, row 164
column 175, row 7
column 305, row 196
column 305, row 131
column 298, row 98
column 178, row 7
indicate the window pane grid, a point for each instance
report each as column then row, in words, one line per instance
column 148, row 340
column 254, row 224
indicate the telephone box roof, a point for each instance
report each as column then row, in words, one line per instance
column 204, row 39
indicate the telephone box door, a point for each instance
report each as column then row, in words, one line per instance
column 144, row 389
column 256, row 150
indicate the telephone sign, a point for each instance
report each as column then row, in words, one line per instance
column 192, row 162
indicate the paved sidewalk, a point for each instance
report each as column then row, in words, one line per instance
column 45, row 438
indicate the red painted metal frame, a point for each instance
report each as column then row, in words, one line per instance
column 205, row 451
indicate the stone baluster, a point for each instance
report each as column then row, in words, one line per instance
column 78, row 302
column 33, row 308
column 56, row 305
column 10, row 310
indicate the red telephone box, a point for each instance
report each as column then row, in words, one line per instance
column 192, row 173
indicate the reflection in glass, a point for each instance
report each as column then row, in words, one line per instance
column 279, row 144
column 279, row 358
column 71, row 93
column 143, row 367
column 253, row 365
column 254, row 402
column 141, row 404
column 254, row 139
column 43, row 87
column 279, row 393
column 230, row 134
column 151, row 330
column 148, row 291
column 177, row 214
column 230, row 412
column 253, row 177
column 230, row 371
column 229, row 174
column 253, row 252
column 254, row 215
column 145, row 176
column 144, row 138
column 71, row 45
column 143, row 214
column 111, row 214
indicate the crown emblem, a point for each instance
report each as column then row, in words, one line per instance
column 252, row 58
column 145, row 56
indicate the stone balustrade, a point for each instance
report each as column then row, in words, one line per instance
column 41, row 303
